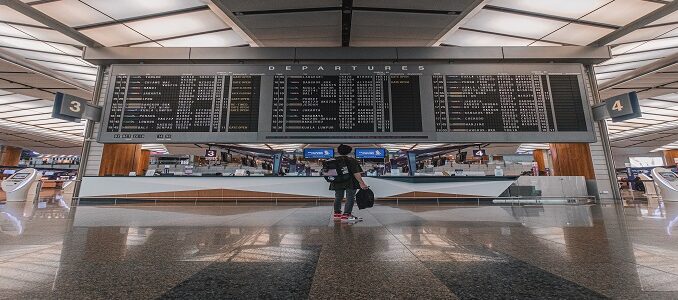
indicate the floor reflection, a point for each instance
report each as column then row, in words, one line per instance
column 49, row 250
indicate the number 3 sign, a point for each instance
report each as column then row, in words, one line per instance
column 72, row 108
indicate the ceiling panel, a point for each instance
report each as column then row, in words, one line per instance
column 471, row 38
column 513, row 24
column 288, row 29
column 175, row 25
column 629, row 66
column 578, row 34
column 227, row 38
column 114, row 35
column 240, row 6
column 9, row 15
column 647, row 33
column 123, row 9
column 12, row 42
column 457, row 5
column 622, row 12
column 48, row 35
column 564, row 8
column 72, row 12
column 419, row 29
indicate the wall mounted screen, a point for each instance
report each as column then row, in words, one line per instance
column 346, row 103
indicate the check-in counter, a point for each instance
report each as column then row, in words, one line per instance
column 286, row 187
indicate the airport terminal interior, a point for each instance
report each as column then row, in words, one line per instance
column 329, row 149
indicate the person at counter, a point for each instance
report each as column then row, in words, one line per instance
column 348, row 187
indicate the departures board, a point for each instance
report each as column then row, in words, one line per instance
column 346, row 103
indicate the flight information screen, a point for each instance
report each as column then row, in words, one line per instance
column 508, row 103
column 184, row 103
column 346, row 103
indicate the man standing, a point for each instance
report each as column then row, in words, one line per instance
column 347, row 187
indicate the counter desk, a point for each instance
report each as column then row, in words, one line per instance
column 286, row 187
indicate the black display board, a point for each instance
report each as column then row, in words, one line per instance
column 300, row 103
column 184, row 103
column 508, row 103
column 346, row 103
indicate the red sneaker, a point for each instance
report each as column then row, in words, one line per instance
column 337, row 216
column 350, row 218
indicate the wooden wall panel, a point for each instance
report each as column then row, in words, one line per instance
column 119, row 159
column 572, row 160
column 10, row 156
column 669, row 156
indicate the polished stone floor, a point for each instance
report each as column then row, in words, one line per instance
column 51, row 251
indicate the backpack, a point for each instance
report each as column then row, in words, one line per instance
column 364, row 198
column 336, row 170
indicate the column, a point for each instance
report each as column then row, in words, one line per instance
column 539, row 156
column 119, row 159
column 572, row 160
column 10, row 156
column 141, row 164
column 670, row 157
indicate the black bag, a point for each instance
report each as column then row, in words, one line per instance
column 336, row 170
column 364, row 198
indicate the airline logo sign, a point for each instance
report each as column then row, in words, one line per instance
column 370, row 153
column 318, row 153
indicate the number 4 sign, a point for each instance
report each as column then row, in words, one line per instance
column 618, row 108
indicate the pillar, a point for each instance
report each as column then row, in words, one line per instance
column 142, row 161
column 572, row 160
column 670, row 157
column 119, row 159
column 10, row 156
column 539, row 156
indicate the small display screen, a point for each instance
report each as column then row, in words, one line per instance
column 318, row 153
column 370, row 153
column 670, row 176
column 20, row 176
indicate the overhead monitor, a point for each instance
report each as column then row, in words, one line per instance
column 310, row 103
column 318, row 153
column 366, row 153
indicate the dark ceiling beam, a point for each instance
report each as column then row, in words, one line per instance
column 228, row 17
column 637, row 24
column 459, row 21
column 41, row 17
column 346, row 22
